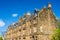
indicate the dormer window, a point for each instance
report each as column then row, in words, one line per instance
column 35, row 14
column 28, row 13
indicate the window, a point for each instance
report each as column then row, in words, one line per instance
column 35, row 29
column 19, row 29
column 16, row 38
column 19, row 38
column 30, row 30
column 24, row 28
column 41, row 28
column 24, row 38
column 36, row 39
column 34, row 21
column 35, row 14
column 33, row 38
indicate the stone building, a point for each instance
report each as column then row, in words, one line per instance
column 38, row 26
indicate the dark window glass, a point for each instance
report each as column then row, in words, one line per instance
column 19, row 29
column 24, row 28
column 32, row 36
column 24, row 38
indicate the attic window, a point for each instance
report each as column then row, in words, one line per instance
column 35, row 14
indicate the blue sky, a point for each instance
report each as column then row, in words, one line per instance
column 11, row 10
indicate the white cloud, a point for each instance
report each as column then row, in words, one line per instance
column 14, row 15
column 2, row 23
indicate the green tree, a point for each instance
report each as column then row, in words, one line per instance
column 56, row 35
column 1, row 38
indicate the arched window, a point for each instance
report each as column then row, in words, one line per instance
column 41, row 28
column 35, row 28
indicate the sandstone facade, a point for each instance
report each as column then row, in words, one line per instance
column 38, row 26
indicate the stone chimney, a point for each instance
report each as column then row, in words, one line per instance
column 49, row 5
column 28, row 13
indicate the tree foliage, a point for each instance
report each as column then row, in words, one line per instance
column 56, row 35
column 1, row 38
